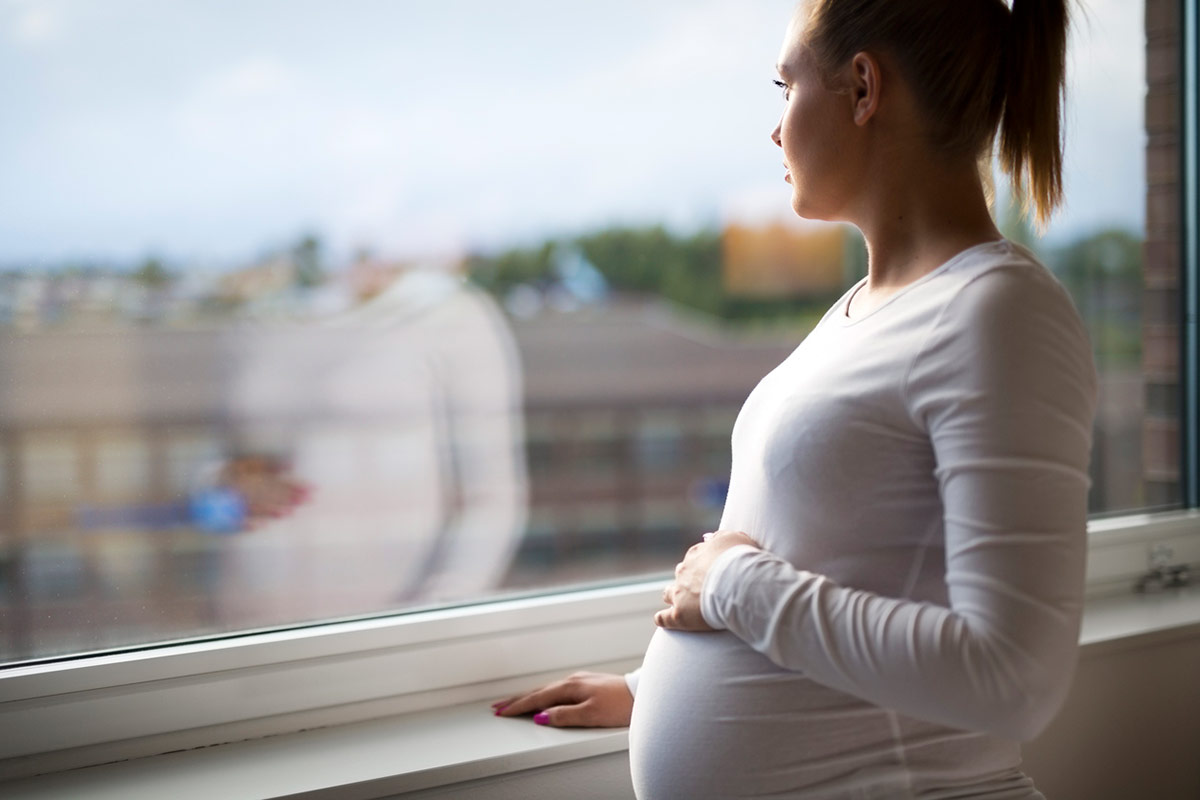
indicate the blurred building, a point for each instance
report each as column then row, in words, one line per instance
column 782, row 260
column 628, row 412
column 264, row 279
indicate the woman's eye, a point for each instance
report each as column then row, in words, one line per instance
column 783, row 87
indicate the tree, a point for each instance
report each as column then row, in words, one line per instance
column 152, row 274
column 307, row 257
column 1103, row 273
column 684, row 269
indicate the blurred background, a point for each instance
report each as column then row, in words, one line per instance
column 312, row 311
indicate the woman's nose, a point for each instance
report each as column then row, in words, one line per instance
column 775, row 134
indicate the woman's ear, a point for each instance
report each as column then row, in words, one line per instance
column 866, row 82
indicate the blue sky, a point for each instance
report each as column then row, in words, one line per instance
column 209, row 131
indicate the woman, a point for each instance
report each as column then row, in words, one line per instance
column 375, row 408
column 894, row 599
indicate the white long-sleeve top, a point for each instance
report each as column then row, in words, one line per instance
column 917, row 479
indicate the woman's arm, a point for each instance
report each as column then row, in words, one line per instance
column 1005, row 388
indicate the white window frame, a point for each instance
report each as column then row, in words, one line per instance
column 104, row 708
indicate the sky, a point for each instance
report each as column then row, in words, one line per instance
column 212, row 131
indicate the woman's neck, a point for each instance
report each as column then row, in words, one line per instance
column 914, row 220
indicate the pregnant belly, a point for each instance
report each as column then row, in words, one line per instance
column 715, row 719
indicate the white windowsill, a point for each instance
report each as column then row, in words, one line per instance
column 364, row 760
column 458, row 743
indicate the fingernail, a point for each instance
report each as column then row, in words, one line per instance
column 499, row 709
column 541, row 718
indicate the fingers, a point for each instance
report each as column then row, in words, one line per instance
column 275, row 500
column 552, row 695
column 521, row 705
column 559, row 703
column 579, row 715
column 583, row 699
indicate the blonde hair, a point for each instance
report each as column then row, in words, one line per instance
column 976, row 68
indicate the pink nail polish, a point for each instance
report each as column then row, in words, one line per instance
column 541, row 718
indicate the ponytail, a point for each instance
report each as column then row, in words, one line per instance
column 1031, row 139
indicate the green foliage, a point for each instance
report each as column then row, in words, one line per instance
column 152, row 274
column 500, row 273
column 306, row 255
column 1103, row 273
column 634, row 259
column 687, row 270
column 1015, row 222
column 1114, row 254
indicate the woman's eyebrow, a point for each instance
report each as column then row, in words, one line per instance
column 782, row 70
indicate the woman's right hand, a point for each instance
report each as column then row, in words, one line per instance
column 581, row 700
column 266, row 485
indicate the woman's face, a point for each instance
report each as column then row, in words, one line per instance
column 817, row 133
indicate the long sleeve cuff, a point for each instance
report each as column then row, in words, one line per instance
column 631, row 680
column 713, row 594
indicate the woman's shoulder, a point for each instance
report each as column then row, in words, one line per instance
column 1004, row 323
column 1006, row 280
column 1001, row 305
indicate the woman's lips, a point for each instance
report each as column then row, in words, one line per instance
column 787, row 173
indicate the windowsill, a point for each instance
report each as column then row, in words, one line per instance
column 458, row 743
column 372, row 759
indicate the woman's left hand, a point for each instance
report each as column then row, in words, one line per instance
column 683, row 596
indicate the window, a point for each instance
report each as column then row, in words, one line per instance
column 196, row 336
column 373, row 267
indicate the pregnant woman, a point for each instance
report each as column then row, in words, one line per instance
column 893, row 600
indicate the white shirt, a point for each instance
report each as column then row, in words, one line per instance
column 917, row 478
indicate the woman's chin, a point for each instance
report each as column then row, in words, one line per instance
column 805, row 208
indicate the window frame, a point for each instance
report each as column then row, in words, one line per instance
column 1189, row 279
column 97, row 709
column 93, row 710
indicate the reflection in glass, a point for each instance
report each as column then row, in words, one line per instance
column 375, row 457
column 264, row 287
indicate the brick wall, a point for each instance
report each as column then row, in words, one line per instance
column 1161, row 255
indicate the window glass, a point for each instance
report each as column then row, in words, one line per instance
column 315, row 310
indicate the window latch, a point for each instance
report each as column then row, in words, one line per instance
column 1163, row 574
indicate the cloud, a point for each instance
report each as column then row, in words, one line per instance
column 37, row 24
column 696, row 47
column 1105, row 135
column 431, row 134
column 255, row 79
column 257, row 105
